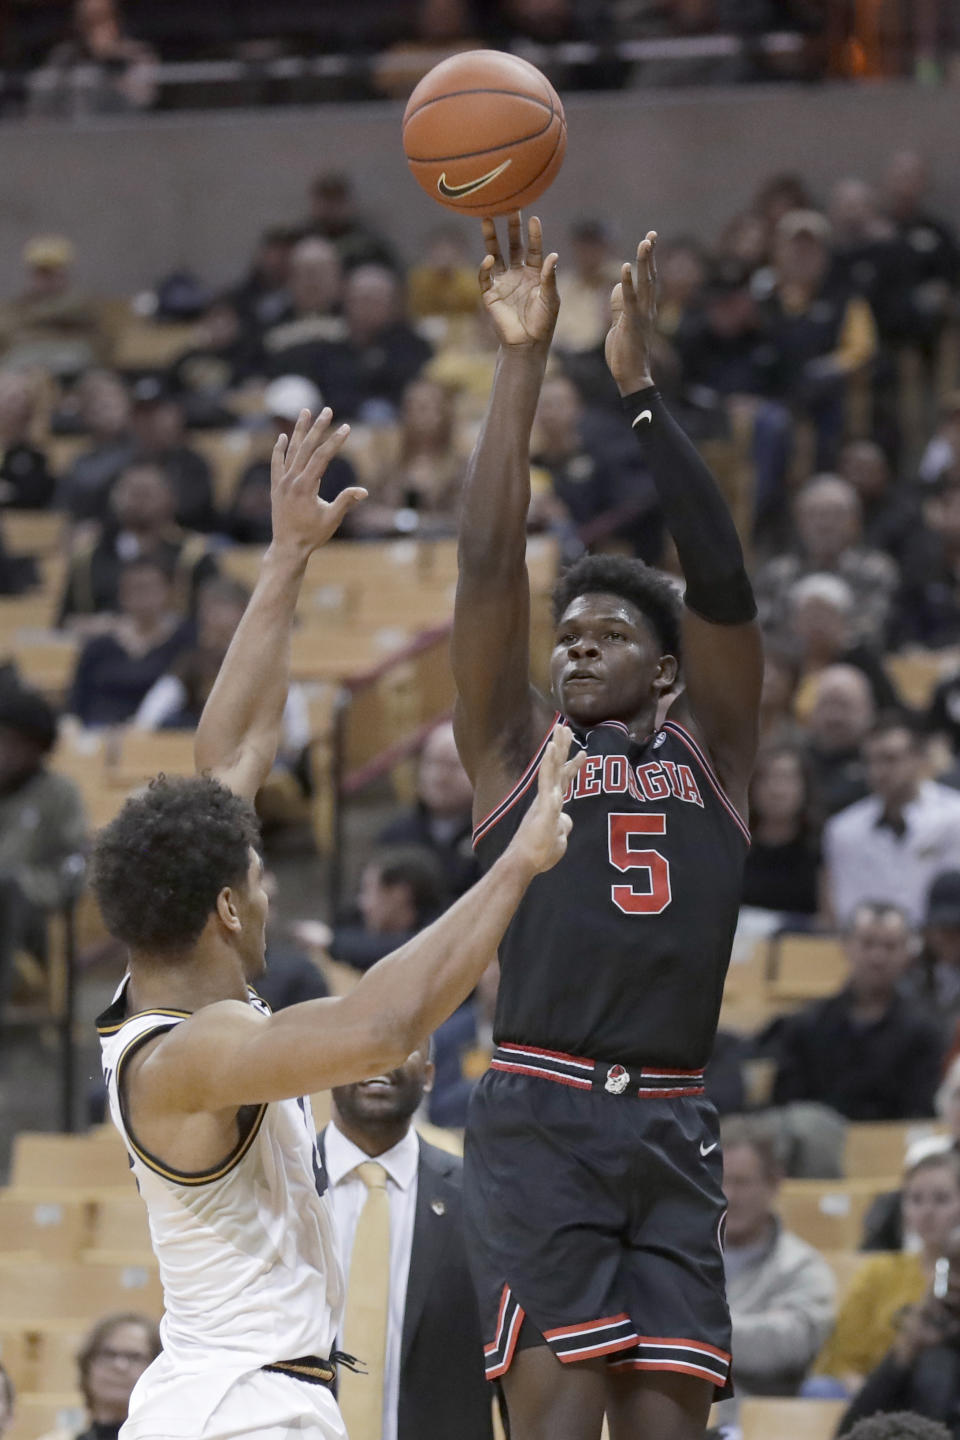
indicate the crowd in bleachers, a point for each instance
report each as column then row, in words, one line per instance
column 812, row 351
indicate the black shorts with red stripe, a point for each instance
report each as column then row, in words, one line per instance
column 594, row 1211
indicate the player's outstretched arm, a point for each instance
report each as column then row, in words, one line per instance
column 723, row 653
column 497, row 713
column 228, row 1055
column 240, row 725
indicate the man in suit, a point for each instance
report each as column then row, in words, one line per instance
column 411, row 1314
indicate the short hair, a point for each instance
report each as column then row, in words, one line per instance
column 416, row 867
column 651, row 592
column 159, row 866
column 898, row 1425
column 831, row 589
column 890, row 720
column 877, row 910
column 758, row 1135
column 93, row 1342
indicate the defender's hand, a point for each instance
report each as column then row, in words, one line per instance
column 629, row 341
column 542, row 837
column 521, row 298
column 301, row 520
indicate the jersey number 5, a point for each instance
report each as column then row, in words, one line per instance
column 625, row 855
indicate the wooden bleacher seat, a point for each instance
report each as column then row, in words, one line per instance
column 880, row 1148
column 52, row 1227
column 149, row 344
column 829, row 1214
column 40, row 1291
column 140, row 755
column 33, row 532
column 15, row 1353
column 340, row 652
column 119, row 1224
column 763, row 1419
column 916, row 675
column 69, row 1162
column 46, row 661
column 228, row 453
column 54, row 1348
column 37, row 1414
column 806, row 967
column 845, row 1265
column 35, row 610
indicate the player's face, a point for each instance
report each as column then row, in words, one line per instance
column 388, row 1098
column 607, row 662
column 253, row 906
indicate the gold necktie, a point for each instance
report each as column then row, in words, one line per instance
column 365, row 1321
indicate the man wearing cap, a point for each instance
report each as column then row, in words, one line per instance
column 822, row 332
column 42, row 825
column 50, row 325
column 247, row 519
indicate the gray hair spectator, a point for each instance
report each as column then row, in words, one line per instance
column 112, row 1358
column 821, row 614
column 841, row 715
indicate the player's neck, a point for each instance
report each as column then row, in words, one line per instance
column 373, row 1140
column 205, row 975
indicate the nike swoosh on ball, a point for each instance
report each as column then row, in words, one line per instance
column 456, row 192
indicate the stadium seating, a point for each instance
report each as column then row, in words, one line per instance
column 805, row 967
column 829, row 1214
column 879, row 1149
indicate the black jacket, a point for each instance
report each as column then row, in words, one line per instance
column 443, row 1392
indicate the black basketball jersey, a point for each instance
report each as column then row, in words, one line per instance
column 619, row 953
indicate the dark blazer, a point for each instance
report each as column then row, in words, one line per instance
column 443, row 1393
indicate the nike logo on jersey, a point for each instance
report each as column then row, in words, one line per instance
column 457, row 192
column 705, row 1149
column 644, row 415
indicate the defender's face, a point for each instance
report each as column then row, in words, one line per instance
column 607, row 662
column 253, row 907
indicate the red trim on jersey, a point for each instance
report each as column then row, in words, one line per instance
column 586, row 1326
column 689, row 740
column 521, row 787
column 673, row 1365
column 504, row 1297
column 595, row 1352
column 669, row 1094
column 559, row 1055
column 678, row 1342
column 494, row 1371
column 545, row 1074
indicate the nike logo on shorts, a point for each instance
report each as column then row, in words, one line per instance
column 705, row 1149
column 457, row 192
column 644, row 415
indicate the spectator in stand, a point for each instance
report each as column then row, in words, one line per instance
column 441, row 820
column 820, row 330
column 334, row 217
column 890, row 514
column 224, row 358
column 50, row 325
column 780, row 195
column 315, row 285
column 105, row 414
column 261, row 298
column 943, row 716
column 247, row 518
column 781, row 676
column 25, row 481
column 921, row 1371
column 930, row 255
column 363, row 375
column 116, row 669
column 119, row 73
column 176, row 700
column 414, row 470
column 783, row 864
column 935, row 978
column 828, row 524
column 942, row 454
column 414, row 1315
column 870, row 1313
column 682, row 272
column 897, row 840
column 743, row 243
column 445, row 284
column 585, row 288
column 864, row 245
column 113, row 1357
column 782, row 1293
column 928, row 612
column 867, row 1052
column 140, row 522
column 841, row 717
column 883, row 1225
column 159, row 433
column 604, row 492
column 8, row 1396
column 821, row 614
column 42, row 826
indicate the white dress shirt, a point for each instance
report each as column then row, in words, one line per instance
column 348, row 1194
column 866, row 861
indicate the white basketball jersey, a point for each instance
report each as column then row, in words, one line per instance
column 246, row 1252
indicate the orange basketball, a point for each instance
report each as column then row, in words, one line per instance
column 484, row 132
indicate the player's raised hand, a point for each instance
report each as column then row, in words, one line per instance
column 630, row 338
column 302, row 521
column 520, row 296
column 542, row 837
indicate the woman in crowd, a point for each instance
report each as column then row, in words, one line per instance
column 113, row 1357
column 883, row 1228
column 868, row 1319
column 783, row 865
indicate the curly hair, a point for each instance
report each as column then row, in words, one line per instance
column 898, row 1426
column 160, row 865
column 653, row 594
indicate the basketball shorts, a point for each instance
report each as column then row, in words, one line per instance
column 261, row 1404
column 594, row 1213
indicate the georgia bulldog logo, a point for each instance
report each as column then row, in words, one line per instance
column 617, row 1080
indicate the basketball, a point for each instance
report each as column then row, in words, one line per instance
column 484, row 133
